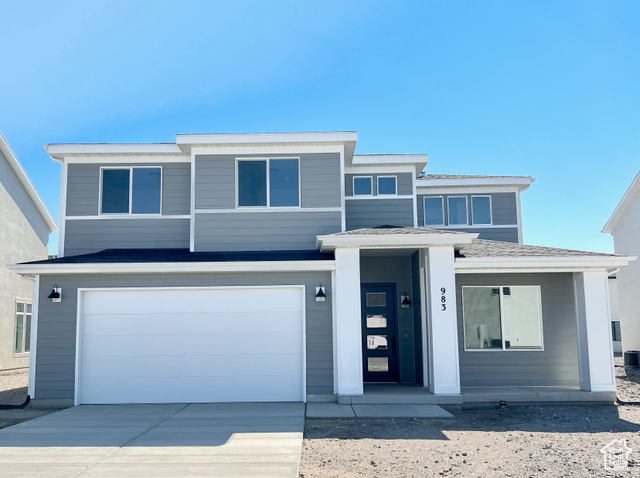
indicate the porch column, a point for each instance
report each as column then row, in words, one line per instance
column 347, row 323
column 595, row 350
column 442, row 321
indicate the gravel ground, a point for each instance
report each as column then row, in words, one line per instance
column 516, row 441
column 13, row 391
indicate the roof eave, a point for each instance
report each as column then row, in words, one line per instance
column 622, row 205
column 330, row 242
column 535, row 263
column 521, row 182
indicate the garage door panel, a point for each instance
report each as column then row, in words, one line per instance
column 207, row 345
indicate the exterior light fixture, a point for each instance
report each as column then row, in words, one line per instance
column 320, row 294
column 404, row 301
column 56, row 294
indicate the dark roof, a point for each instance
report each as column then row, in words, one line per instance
column 467, row 176
column 486, row 248
column 393, row 230
column 183, row 255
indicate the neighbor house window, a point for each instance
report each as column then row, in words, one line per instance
column 434, row 211
column 615, row 331
column 502, row 318
column 362, row 186
column 457, row 206
column 135, row 190
column 22, row 338
column 387, row 185
column 481, row 209
column 271, row 182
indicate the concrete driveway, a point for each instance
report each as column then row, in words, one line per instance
column 182, row 440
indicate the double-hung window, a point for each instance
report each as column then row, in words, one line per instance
column 457, row 208
column 481, row 210
column 502, row 318
column 270, row 182
column 131, row 190
column 434, row 211
column 22, row 337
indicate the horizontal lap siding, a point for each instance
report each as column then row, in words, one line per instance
column 263, row 231
column 84, row 236
column 404, row 183
column 379, row 212
column 83, row 188
column 557, row 364
column 55, row 367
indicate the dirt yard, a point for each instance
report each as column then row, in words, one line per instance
column 13, row 391
column 514, row 441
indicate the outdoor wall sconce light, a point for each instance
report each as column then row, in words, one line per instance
column 404, row 301
column 320, row 294
column 56, row 294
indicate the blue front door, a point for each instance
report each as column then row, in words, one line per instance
column 379, row 333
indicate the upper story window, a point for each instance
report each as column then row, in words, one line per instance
column 270, row 182
column 131, row 190
column 22, row 337
column 457, row 207
column 433, row 211
column 363, row 186
column 481, row 209
column 387, row 185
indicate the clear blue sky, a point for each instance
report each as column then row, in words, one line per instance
column 537, row 88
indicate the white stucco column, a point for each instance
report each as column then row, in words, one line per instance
column 442, row 321
column 347, row 326
column 595, row 352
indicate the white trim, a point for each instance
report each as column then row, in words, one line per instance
column 80, row 291
column 125, row 160
column 63, row 209
column 471, row 226
column 353, row 187
column 130, row 213
column 334, row 336
column 244, row 138
column 267, row 161
column 490, row 209
column 267, row 149
column 502, row 326
column 35, row 300
column 447, row 191
column 393, row 241
column 622, row 205
column 171, row 267
column 466, row 204
column 129, row 216
column 390, row 158
column 112, row 148
column 522, row 182
column 388, row 196
column 26, row 183
column 424, row 212
column 245, row 209
column 192, row 205
column 342, row 192
column 395, row 177
column 366, row 170
column 534, row 263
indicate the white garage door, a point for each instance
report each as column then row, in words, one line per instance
column 205, row 345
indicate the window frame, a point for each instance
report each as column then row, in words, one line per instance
column 353, row 186
column 616, row 331
column 490, row 223
column 268, row 185
column 25, row 302
column 130, row 213
column 503, row 349
column 394, row 176
column 466, row 208
column 424, row 211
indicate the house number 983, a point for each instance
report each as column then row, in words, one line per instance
column 443, row 298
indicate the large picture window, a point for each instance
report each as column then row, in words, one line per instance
column 134, row 190
column 22, row 337
column 271, row 182
column 502, row 318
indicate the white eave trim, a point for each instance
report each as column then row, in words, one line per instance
column 265, row 138
column 390, row 158
column 539, row 264
column 522, row 182
column 59, row 151
column 394, row 241
column 623, row 204
column 8, row 153
column 173, row 267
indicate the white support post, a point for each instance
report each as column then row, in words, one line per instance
column 440, row 303
column 595, row 350
column 348, row 323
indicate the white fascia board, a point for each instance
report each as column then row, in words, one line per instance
column 265, row 138
column 59, row 151
column 372, row 169
column 523, row 182
column 416, row 161
column 539, row 264
column 173, row 267
column 421, row 189
column 31, row 190
column 622, row 205
column 399, row 241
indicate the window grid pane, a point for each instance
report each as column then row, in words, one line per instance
column 481, row 210
column 19, row 333
column 115, row 191
column 146, row 190
column 27, row 335
column 457, row 211
column 433, row 212
column 252, row 183
column 362, row 186
column 284, row 187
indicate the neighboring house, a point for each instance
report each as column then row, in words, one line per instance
column 283, row 267
column 25, row 225
column 624, row 226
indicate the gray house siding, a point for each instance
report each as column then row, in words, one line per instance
column 83, row 188
column 396, row 270
column 84, row 236
column 319, row 180
column 55, row 367
column 404, row 183
column 379, row 212
column 556, row 365
column 263, row 231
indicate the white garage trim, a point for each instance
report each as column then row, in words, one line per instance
column 79, row 315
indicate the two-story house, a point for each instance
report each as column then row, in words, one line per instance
column 284, row 267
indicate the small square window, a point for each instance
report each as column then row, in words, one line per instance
column 362, row 186
column 387, row 186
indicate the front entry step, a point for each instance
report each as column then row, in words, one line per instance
column 334, row 410
column 398, row 394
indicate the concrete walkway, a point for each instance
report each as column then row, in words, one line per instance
column 336, row 410
column 182, row 440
